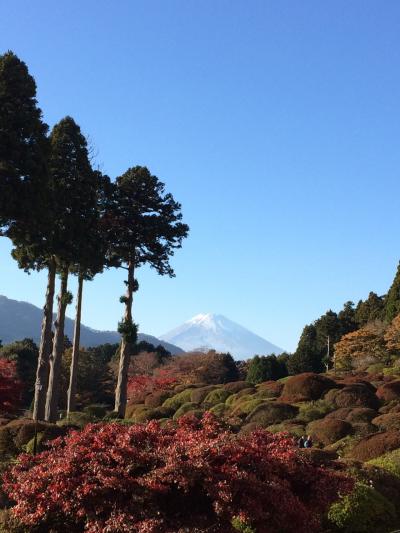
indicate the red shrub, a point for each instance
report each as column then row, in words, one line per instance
column 306, row 387
column 357, row 395
column 147, row 479
column 141, row 385
column 10, row 386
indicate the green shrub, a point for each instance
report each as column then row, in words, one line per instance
column 95, row 410
column 220, row 409
column 241, row 526
column 217, row 396
column 179, row 399
column 314, row 410
column 297, row 430
column 243, row 408
column 76, row 418
column 185, row 408
column 269, row 413
column 236, row 386
column 364, row 510
column 389, row 461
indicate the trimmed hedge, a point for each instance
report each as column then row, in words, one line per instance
column 388, row 421
column 375, row 445
column 357, row 395
column 179, row 399
column 217, row 396
column 198, row 395
column 270, row 413
column 328, row 430
column 389, row 391
column 184, row 409
column 306, row 387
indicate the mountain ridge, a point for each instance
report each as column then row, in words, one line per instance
column 20, row 319
column 213, row 331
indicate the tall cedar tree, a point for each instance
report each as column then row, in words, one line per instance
column 392, row 302
column 146, row 228
column 25, row 196
column 75, row 190
column 91, row 261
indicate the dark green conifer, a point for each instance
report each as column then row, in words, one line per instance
column 146, row 228
column 392, row 301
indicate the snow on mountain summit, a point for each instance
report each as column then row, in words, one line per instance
column 211, row 331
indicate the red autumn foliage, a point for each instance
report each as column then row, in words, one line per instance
column 10, row 386
column 141, row 385
column 196, row 475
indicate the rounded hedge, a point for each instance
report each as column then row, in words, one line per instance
column 178, row 399
column 357, row 395
column 216, row 396
column 388, row 421
column 184, row 409
column 270, row 413
column 375, row 445
column 328, row 430
column 306, row 387
column 389, row 391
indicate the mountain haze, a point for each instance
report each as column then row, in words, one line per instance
column 19, row 320
column 210, row 331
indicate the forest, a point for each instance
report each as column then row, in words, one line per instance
column 126, row 437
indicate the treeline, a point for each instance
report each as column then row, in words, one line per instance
column 65, row 217
column 371, row 316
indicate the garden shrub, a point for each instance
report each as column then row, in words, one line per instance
column 197, row 475
column 76, row 418
column 198, row 395
column 363, row 429
column 157, row 398
column 375, row 445
column 220, row 409
column 357, row 395
column 320, row 456
column 363, row 510
column 274, row 387
column 389, row 391
column 305, row 387
column 183, row 387
column 328, row 430
column 360, row 414
column 95, row 411
column 246, row 392
column 297, row 430
column 246, row 406
column 236, row 386
column 340, row 414
column 388, row 421
column 314, row 410
column 178, row 399
column 270, row 413
column 7, row 446
column 216, row 396
column 389, row 461
column 184, row 409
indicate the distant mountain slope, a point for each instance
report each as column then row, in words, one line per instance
column 22, row 319
column 209, row 331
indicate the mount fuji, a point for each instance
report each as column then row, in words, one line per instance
column 209, row 331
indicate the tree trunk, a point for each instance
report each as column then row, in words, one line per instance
column 73, row 375
column 42, row 371
column 53, row 390
column 126, row 349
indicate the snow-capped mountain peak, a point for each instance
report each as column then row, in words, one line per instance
column 211, row 331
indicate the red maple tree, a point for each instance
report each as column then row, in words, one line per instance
column 147, row 479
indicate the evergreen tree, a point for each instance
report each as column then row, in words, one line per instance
column 373, row 308
column 392, row 302
column 25, row 186
column 74, row 197
column 146, row 228
column 307, row 357
column 91, row 259
column 264, row 368
column 23, row 145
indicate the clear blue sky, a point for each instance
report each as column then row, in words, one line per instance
column 275, row 124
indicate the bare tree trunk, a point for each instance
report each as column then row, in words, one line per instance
column 126, row 349
column 73, row 374
column 53, row 389
column 42, row 371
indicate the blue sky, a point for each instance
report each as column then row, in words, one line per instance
column 275, row 124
